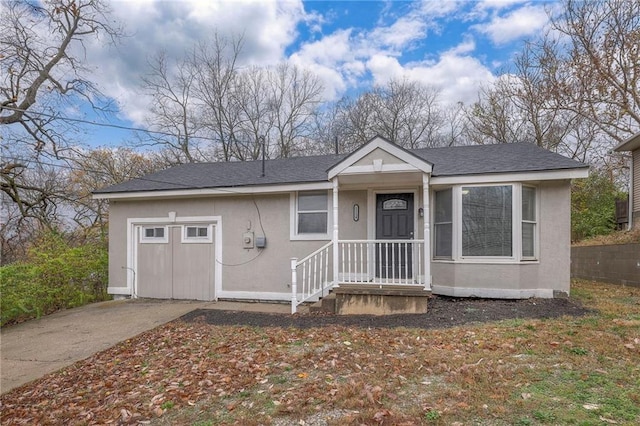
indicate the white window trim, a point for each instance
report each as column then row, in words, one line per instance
column 536, row 246
column 154, row 240
column 433, row 221
column 293, row 215
column 197, row 240
column 516, row 200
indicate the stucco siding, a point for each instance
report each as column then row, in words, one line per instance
column 546, row 276
column 349, row 228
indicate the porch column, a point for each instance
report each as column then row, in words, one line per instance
column 427, row 231
column 335, row 231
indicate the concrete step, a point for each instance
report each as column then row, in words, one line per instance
column 326, row 304
column 382, row 289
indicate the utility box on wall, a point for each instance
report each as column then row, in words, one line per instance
column 261, row 242
column 247, row 240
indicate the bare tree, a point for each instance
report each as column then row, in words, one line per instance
column 453, row 126
column 294, row 97
column 42, row 70
column 38, row 64
column 575, row 90
column 406, row 112
column 216, row 65
column 251, row 95
column 96, row 169
column 494, row 118
column 172, row 114
column 600, row 52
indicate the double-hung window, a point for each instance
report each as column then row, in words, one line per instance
column 529, row 222
column 311, row 214
column 443, row 223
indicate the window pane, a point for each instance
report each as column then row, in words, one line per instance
column 486, row 221
column 148, row 232
column 394, row 204
column 312, row 223
column 312, row 201
column 202, row 232
column 528, row 203
column 443, row 206
column 159, row 233
column 191, row 231
column 528, row 230
column 443, row 240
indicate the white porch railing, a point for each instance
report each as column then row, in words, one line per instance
column 387, row 262
column 384, row 262
column 311, row 277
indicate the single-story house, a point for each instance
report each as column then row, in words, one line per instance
column 482, row 221
column 633, row 145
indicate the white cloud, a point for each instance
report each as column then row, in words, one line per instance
column 267, row 28
column 522, row 22
column 458, row 76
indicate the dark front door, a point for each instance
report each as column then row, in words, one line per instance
column 394, row 221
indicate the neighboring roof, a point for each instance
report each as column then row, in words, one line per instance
column 447, row 161
column 630, row 144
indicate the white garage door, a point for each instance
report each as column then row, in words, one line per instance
column 176, row 261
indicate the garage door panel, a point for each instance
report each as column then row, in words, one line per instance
column 192, row 269
column 154, row 270
column 175, row 268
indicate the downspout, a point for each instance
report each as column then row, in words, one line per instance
column 426, row 231
column 335, row 231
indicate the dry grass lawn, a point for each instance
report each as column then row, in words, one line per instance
column 569, row 370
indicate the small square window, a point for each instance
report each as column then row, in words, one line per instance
column 196, row 233
column 154, row 234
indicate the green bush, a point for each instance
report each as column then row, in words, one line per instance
column 593, row 206
column 54, row 276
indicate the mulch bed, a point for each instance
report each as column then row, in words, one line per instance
column 443, row 312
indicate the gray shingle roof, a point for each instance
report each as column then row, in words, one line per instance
column 449, row 161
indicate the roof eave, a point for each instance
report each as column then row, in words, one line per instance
column 630, row 144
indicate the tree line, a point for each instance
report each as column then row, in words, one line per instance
column 574, row 90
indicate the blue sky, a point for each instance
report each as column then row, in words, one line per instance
column 455, row 46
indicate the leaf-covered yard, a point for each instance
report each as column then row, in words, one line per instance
column 580, row 370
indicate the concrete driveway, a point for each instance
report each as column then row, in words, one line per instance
column 35, row 348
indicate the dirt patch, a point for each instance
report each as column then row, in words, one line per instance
column 443, row 312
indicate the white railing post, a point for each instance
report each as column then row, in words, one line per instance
column 427, row 233
column 335, row 231
column 294, row 284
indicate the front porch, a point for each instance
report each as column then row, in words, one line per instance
column 372, row 277
column 389, row 188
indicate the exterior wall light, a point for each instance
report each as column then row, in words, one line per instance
column 356, row 212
